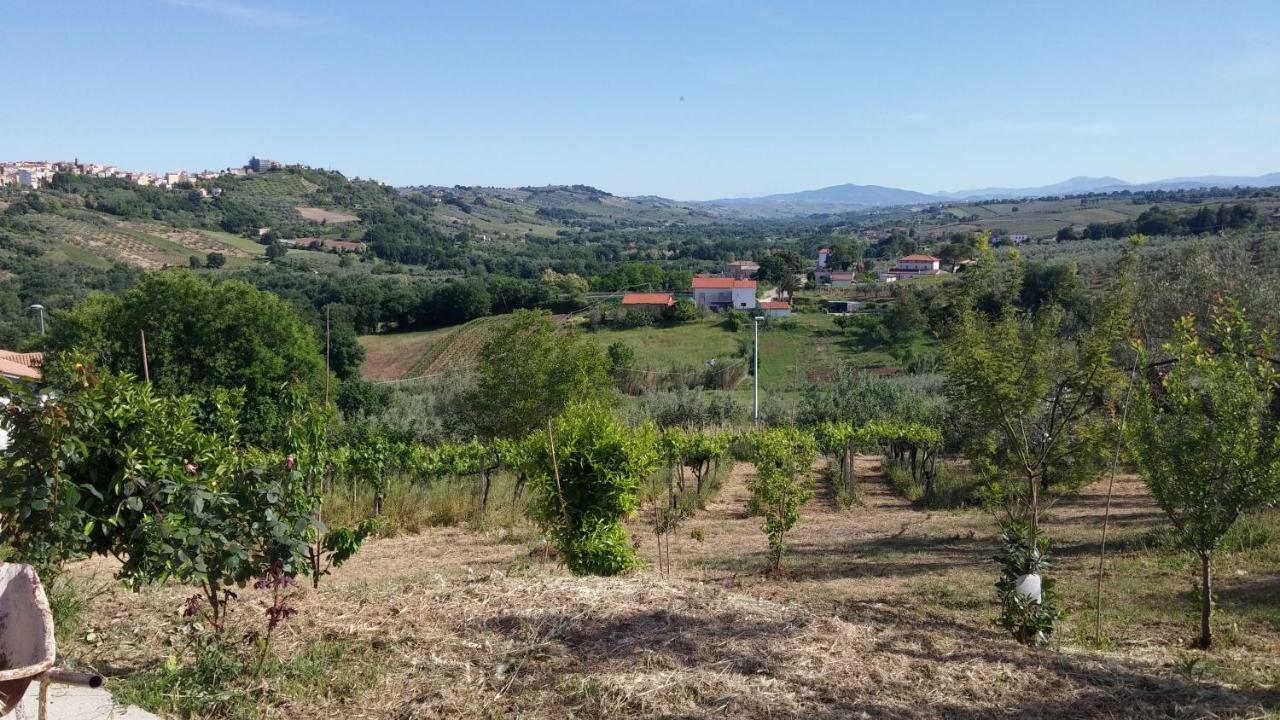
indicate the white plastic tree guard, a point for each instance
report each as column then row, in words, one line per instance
column 27, row 650
column 1029, row 587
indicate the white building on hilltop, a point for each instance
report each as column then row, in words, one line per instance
column 912, row 266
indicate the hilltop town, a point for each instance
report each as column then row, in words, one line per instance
column 35, row 173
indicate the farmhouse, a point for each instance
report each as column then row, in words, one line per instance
column 651, row 302
column 912, row 266
column 823, row 254
column 834, row 278
column 775, row 308
column 741, row 269
column 721, row 293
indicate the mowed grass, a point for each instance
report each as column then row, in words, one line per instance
column 885, row 610
column 794, row 352
column 686, row 344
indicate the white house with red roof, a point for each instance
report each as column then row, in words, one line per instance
column 723, row 293
column 775, row 308
column 912, row 266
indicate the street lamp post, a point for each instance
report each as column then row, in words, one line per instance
column 755, row 370
column 40, row 311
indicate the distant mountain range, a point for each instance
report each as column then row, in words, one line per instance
column 844, row 198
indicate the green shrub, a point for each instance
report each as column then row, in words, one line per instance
column 1030, row 622
column 585, row 473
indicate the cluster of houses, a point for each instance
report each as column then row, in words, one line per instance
column 735, row 287
column 34, row 173
column 908, row 267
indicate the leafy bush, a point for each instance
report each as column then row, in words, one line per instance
column 1031, row 621
column 780, row 487
column 585, row 473
column 682, row 311
column 734, row 320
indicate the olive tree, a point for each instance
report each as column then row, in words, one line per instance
column 1206, row 433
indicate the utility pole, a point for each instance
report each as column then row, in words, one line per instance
column 39, row 311
column 755, row 370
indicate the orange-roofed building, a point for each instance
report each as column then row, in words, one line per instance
column 723, row 293
column 647, row 301
column 21, row 366
column 775, row 308
column 912, row 266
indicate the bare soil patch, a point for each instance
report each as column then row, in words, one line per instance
column 329, row 217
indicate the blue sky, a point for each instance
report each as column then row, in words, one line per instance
column 690, row 99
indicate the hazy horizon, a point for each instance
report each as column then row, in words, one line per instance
column 687, row 99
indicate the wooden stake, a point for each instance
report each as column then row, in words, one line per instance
column 146, row 371
column 555, row 469
column 1106, row 514
column 326, row 354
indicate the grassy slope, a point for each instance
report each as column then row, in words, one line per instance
column 790, row 357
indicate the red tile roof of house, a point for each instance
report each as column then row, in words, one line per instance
column 919, row 258
column 23, row 365
column 721, row 283
column 648, row 299
column 775, row 305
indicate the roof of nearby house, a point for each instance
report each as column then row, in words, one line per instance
column 842, row 274
column 21, row 365
column 919, row 258
column 345, row 245
column 721, row 283
column 775, row 305
column 648, row 299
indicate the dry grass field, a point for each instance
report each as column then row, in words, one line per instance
column 885, row 611
column 329, row 217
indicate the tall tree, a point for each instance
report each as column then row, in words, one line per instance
column 1033, row 393
column 530, row 370
column 1206, row 434
column 201, row 334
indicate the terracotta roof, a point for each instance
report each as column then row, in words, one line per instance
column 31, row 359
column 648, row 299
column 721, row 283
column 919, row 258
column 21, row 365
column 775, row 305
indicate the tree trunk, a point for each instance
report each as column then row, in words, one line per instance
column 1033, row 512
column 930, row 477
column 377, row 503
column 484, row 494
column 1206, row 601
